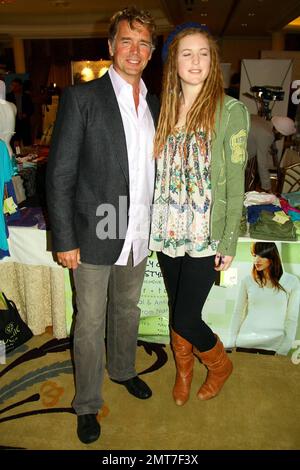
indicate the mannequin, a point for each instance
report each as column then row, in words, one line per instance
column 8, row 113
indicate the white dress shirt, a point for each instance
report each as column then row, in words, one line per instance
column 139, row 132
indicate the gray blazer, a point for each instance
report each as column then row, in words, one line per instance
column 88, row 166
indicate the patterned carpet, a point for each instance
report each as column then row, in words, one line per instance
column 37, row 381
column 259, row 407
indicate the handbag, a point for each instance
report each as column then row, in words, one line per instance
column 13, row 330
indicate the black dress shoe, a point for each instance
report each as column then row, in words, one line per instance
column 136, row 387
column 88, row 428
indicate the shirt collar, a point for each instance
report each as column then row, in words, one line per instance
column 119, row 82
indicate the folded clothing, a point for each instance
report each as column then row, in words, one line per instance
column 286, row 207
column 30, row 217
column 293, row 198
column 254, row 211
column 255, row 198
column 266, row 228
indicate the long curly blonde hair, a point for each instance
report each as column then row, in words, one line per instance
column 202, row 113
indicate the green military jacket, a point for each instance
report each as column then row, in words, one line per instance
column 228, row 162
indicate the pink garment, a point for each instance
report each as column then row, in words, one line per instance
column 286, row 206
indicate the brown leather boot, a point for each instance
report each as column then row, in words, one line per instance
column 184, row 359
column 219, row 369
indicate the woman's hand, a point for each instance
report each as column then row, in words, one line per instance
column 69, row 259
column 222, row 263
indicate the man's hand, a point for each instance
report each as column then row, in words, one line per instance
column 222, row 263
column 69, row 259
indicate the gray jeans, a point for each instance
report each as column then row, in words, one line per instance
column 105, row 293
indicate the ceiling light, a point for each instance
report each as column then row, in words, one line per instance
column 295, row 22
column 6, row 2
column 60, row 3
column 87, row 74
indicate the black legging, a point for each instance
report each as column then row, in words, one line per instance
column 188, row 282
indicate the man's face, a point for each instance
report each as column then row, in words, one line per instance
column 131, row 50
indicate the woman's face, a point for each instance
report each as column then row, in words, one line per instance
column 261, row 263
column 193, row 59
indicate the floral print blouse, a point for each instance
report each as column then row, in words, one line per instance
column 182, row 199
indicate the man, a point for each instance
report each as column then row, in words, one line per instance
column 261, row 139
column 100, row 163
column 25, row 110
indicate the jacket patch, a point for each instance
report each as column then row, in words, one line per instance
column 238, row 144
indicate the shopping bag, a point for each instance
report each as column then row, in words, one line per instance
column 9, row 205
column 13, row 330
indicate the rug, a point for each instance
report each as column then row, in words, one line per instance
column 258, row 408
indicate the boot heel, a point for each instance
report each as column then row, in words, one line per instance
column 219, row 369
column 184, row 360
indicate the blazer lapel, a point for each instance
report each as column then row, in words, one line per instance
column 115, row 124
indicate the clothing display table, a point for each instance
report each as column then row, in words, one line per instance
column 42, row 291
column 34, row 281
column 32, row 169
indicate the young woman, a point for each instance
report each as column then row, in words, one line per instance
column 267, row 308
column 200, row 147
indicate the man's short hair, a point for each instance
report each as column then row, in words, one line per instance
column 132, row 15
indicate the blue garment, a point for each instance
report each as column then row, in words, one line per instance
column 254, row 211
column 294, row 215
column 5, row 177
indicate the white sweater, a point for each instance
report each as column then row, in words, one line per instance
column 266, row 318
